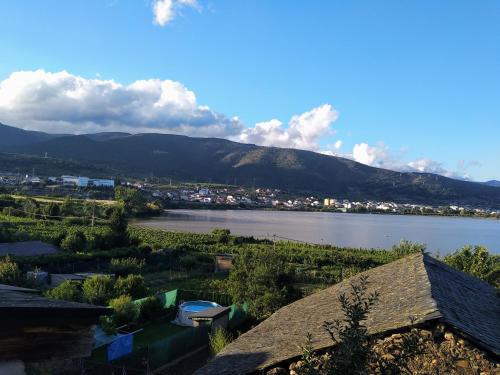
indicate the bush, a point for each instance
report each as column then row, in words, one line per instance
column 124, row 310
column 221, row 235
column 67, row 291
column 405, row 247
column 478, row 262
column 125, row 266
column 98, row 289
column 132, row 285
column 10, row 273
column 218, row 340
column 74, row 241
column 151, row 308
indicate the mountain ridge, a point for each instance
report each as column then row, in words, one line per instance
column 219, row 160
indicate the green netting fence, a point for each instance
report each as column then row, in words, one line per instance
column 167, row 349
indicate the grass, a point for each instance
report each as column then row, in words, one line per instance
column 166, row 280
column 155, row 331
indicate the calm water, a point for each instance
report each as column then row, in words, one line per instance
column 354, row 230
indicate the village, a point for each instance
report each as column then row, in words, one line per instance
column 196, row 195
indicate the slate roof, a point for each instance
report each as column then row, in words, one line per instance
column 15, row 303
column 27, row 248
column 416, row 286
column 211, row 313
column 5, row 287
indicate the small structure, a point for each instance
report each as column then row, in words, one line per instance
column 58, row 278
column 27, row 248
column 417, row 290
column 216, row 317
column 223, row 263
column 35, row 328
column 191, row 307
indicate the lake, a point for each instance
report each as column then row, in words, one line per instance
column 351, row 230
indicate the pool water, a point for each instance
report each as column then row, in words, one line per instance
column 190, row 307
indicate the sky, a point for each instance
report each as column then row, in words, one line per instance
column 403, row 85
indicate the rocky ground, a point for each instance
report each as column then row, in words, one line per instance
column 420, row 351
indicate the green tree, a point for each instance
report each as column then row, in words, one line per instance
column 98, row 289
column 132, row 200
column 133, row 285
column 74, row 241
column 10, row 273
column 124, row 310
column 263, row 280
column 118, row 225
column 68, row 291
column 30, row 207
column 151, row 308
column 52, row 209
column 221, row 235
column 67, row 207
column 478, row 262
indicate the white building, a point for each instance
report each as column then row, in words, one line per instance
column 82, row 181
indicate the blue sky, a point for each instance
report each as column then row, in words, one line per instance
column 408, row 85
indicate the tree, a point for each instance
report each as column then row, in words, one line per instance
column 52, row 209
column 125, row 266
column 10, row 273
column 478, row 262
column 74, row 241
column 221, row 235
column 98, row 289
column 30, row 207
column 263, row 280
column 118, row 225
column 124, row 310
column 132, row 285
column 67, row 207
column 151, row 308
column 68, row 291
column 132, row 200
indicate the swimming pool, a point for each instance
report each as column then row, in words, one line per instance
column 190, row 307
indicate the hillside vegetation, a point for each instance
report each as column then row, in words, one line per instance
column 221, row 161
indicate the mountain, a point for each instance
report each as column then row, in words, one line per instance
column 218, row 160
column 11, row 136
column 494, row 183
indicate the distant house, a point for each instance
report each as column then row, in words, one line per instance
column 223, row 263
column 416, row 287
column 37, row 329
column 216, row 317
column 27, row 248
column 82, row 181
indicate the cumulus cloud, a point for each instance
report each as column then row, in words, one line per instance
column 380, row 156
column 62, row 102
column 303, row 131
column 164, row 11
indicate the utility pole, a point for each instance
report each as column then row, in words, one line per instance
column 93, row 216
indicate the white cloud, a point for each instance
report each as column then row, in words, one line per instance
column 304, row 131
column 376, row 156
column 164, row 11
column 62, row 102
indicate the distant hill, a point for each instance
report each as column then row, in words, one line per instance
column 11, row 136
column 218, row 160
column 494, row 183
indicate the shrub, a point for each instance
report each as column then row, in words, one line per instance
column 124, row 310
column 125, row 266
column 67, row 291
column 350, row 336
column 132, row 285
column 218, row 340
column 405, row 247
column 478, row 262
column 98, row 289
column 151, row 308
column 74, row 241
column 9, row 272
column 221, row 235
